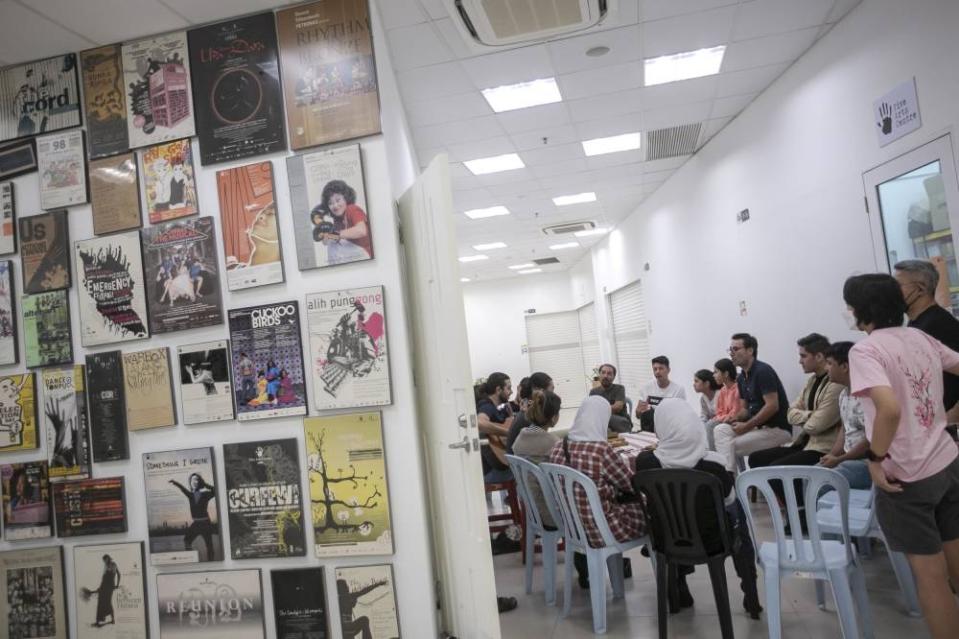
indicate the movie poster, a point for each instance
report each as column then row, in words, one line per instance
column 32, row 594
column 110, row 289
column 39, row 97
column 367, row 599
column 267, row 361
column 65, row 423
column 299, row 603
column 90, row 507
column 184, row 526
column 9, row 353
column 18, row 413
column 148, row 389
column 104, row 101
column 348, row 352
column 108, row 419
column 346, row 468
column 169, row 181
column 263, row 499
column 115, row 194
column 8, row 223
column 251, row 234
column 329, row 73
column 217, row 603
column 182, row 270
column 236, row 81
column 62, row 163
column 47, row 336
column 110, row 595
column 156, row 74
column 45, row 252
column 26, row 501
column 206, row 394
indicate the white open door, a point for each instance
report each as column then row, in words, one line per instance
column 446, row 406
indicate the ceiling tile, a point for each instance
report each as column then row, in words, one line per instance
column 559, row 168
column 34, row 36
column 713, row 127
column 482, row 148
column 731, row 106
column 447, row 109
column 688, row 32
column 605, row 127
column 658, row 9
column 551, row 153
column 401, row 13
column 192, row 10
column 615, row 159
column 547, row 115
column 433, row 82
column 676, row 93
column 454, row 38
column 569, row 55
column 418, row 45
column 460, row 131
column 676, row 115
column 554, row 136
column 768, row 17
column 584, row 84
column 606, row 105
column 785, row 47
column 749, row 80
column 509, row 67
column 105, row 21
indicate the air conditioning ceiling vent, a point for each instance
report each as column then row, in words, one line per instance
column 546, row 260
column 672, row 142
column 569, row 227
column 505, row 22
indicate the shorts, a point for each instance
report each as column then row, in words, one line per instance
column 924, row 515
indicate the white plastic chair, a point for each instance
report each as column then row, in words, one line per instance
column 807, row 557
column 530, row 481
column 566, row 483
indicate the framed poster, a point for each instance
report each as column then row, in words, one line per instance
column 17, row 158
column 148, row 389
column 39, row 97
column 9, row 352
column 110, row 290
column 18, row 413
column 45, row 252
column 32, row 594
column 156, row 73
column 27, row 501
column 110, row 595
column 184, row 285
column 62, row 163
column 104, row 101
column 108, row 419
column 192, row 604
column 251, row 234
column 184, row 527
column 8, row 222
column 328, row 71
column 206, row 394
column 329, row 208
column 236, row 84
column 263, row 499
column 169, row 181
column 348, row 351
column 367, row 600
column 346, row 467
column 267, row 361
column 115, row 194
column 47, row 336
column 90, row 507
column 299, row 603
column 65, row 423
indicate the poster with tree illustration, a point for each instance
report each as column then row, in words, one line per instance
column 349, row 497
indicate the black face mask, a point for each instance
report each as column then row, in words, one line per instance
column 916, row 290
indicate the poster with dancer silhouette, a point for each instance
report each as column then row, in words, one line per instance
column 108, row 413
column 39, row 97
column 183, row 512
column 156, row 74
column 115, row 194
column 169, row 181
column 104, row 101
column 9, row 352
column 110, row 595
column 349, row 496
column 32, row 594
column 47, row 336
column 18, row 413
column 213, row 604
column 8, row 219
column 45, row 252
column 62, row 163
column 90, row 507
column 182, row 270
column 206, row 393
column 27, row 501
column 299, row 603
column 110, row 289
column 64, row 418
column 348, row 351
column 148, row 389
column 367, row 602
column 251, row 234
column 267, row 361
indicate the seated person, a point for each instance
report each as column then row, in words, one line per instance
column 535, row 442
column 653, row 392
column 848, row 454
column 727, row 399
column 615, row 394
column 535, row 382
column 682, row 444
column 521, row 400
column 708, row 388
column 493, row 418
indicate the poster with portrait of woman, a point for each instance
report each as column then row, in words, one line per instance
column 329, row 207
column 110, row 591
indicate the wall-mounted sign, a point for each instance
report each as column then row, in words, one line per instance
column 897, row 112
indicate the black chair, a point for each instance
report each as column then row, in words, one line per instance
column 683, row 505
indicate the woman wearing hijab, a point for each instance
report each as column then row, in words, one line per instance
column 682, row 444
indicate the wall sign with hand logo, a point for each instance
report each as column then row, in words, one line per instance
column 897, row 112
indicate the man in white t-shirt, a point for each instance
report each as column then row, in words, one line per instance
column 656, row 391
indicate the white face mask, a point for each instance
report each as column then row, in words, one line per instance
column 850, row 319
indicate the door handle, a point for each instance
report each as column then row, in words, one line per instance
column 464, row 444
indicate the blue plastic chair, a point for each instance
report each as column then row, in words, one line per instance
column 566, row 483
column 807, row 557
column 530, row 482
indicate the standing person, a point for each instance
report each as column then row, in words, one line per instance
column 655, row 391
column 897, row 373
column 494, row 417
column 761, row 420
column 247, row 378
column 848, row 454
column 727, row 399
column 706, row 385
column 615, row 394
column 538, row 381
column 200, row 494
column 109, row 581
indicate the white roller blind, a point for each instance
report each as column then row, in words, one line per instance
column 553, row 344
column 630, row 336
column 589, row 342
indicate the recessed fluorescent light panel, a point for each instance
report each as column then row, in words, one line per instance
column 510, row 97
column 494, row 164
column 516, row 267
column 493, row 211
column 579, row 198
column 612, row 144
column 489, row 247
column 464, row 279
column 684, row 66
column 596, row 231
column 473, row 258
column 531, row 270
column 564, row 245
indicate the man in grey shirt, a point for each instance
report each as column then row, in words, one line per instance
column 615, row 394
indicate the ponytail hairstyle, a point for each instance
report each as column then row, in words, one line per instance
column 706, row 377
column 543, row 408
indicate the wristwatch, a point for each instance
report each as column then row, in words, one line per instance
column 873, row 457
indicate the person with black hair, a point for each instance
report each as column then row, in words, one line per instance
column 494, row 418
column 200, row 494
column 727, row 399
column 521, row 400
column 848, row 454
column 655, row 391
column 347, row 239
column 708, row 388
column 538, row 381
column 535, row 441
column 896, row 372
column 615, row 394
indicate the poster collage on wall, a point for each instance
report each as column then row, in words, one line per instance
column 301, row 78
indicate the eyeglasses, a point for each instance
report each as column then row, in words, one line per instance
column 735, row 349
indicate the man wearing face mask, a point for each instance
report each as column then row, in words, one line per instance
column 918, row 280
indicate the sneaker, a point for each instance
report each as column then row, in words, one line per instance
column 505, row 604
